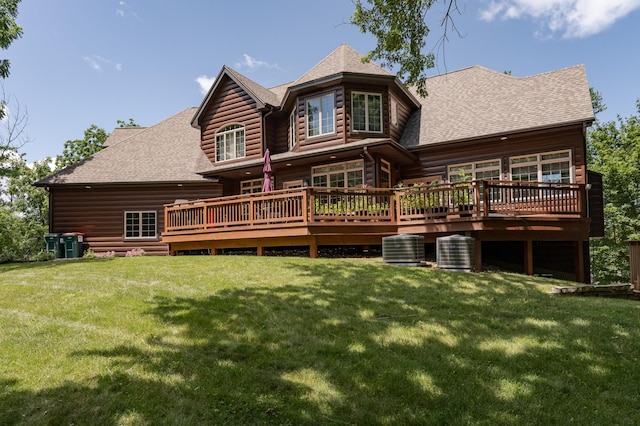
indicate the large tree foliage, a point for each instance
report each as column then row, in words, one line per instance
column 23, row 211
column 9, row 31
column 614, row 151
column 400, row 30
column 78, row 149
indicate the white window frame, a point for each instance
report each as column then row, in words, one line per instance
column 367, row 125
column 322, row 115
column 229, row 134
column 539, row 162
column 472, row 169
column 337, row 168
column 140, row 234
column 293, row 129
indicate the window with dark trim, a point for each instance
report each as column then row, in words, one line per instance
column 140, row 224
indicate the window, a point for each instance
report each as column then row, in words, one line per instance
column 480, row 170
column 339, row 175
column 385, row 174
column 141, row 224
column 394, row 112
column 366, row 112
column 320, row 115
column 230, row 142
column 252, row 186
column 547, row 167
column 291, row 184
column 293, row 129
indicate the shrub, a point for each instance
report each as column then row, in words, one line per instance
column 136, row 252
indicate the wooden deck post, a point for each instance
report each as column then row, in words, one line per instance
column 528, row 257
column 313, row 248
column 260, row 250
column 478, row 255
column 579, row 262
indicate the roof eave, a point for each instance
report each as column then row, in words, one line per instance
column 585, row 122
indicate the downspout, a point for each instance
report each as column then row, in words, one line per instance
column 264, row 128
column 366, row 152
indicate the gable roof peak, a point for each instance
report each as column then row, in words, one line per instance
column 261, row 95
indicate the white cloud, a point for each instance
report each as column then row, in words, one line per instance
column 97, row 62
column 253, row 63
column 124, row 10
column 572, row 18
column 205, row 83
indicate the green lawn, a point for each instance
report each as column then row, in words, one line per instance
column 279, row 340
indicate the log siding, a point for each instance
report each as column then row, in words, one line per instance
column 232, row 105
column 98, row 212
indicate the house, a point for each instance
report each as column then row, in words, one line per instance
column 355, row 156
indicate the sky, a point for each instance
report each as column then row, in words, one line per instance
column 85, row 62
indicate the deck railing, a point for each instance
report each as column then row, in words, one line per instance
column 443, row 202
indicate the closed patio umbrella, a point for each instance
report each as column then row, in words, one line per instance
column 266, row 186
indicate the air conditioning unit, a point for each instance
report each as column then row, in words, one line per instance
column 404, row 249
column 455, row 253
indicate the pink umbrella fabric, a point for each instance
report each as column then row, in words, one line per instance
column 266, row 186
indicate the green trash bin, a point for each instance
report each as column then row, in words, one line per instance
column 73, row 244
column 55, row 245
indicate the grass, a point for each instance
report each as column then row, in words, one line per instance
column 263, row 340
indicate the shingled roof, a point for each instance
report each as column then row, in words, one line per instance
column 121, row 133
column 478, row 102
column 344, row 59
column 166, row 152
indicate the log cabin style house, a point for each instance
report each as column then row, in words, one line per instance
column 355, row 156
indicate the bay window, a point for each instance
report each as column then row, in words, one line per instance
column 321, row 115
column 366, row 112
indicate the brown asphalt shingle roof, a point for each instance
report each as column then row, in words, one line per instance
column 121, row 133
column 471, row 103
column 344, row 59
column 476, row 102
column 166, row 152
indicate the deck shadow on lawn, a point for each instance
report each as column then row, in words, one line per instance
column 354, row 346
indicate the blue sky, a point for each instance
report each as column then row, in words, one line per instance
column 93, row 62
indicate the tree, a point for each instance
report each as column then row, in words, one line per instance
column 9, row 31
column 130, row 123
column 12, row 130
column 400, row 29
column 79, row 149
column 23, row 211
column 613, row 149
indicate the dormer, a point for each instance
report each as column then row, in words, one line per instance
column 343, row 99
column 230, row 118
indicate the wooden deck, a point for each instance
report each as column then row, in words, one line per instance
column 315, row 216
